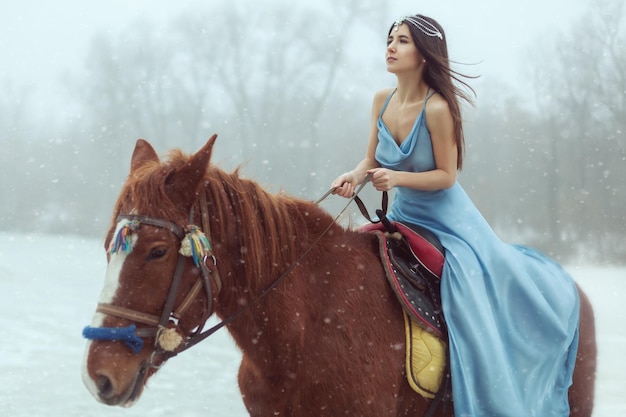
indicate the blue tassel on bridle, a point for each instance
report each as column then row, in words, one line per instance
column 124, row 334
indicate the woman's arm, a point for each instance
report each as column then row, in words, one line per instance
column 346, row 183
column 439, row 122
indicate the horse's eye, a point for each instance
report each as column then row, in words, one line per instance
column 157, row 253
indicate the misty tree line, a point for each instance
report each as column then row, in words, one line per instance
column 290, row 100
column 563, row 178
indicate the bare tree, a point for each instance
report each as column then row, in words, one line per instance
column 263, row 80
column 267, row 82
column 581, row 94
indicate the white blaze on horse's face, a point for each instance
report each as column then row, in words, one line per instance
column 114, row 269
column 111, row 285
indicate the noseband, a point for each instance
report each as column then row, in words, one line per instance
column 168, row 340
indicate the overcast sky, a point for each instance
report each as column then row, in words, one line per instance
column 41, row 39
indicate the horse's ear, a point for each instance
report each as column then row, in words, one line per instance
column 204, row 154
column 144, row 152
column 182, row 183
column 198, row 162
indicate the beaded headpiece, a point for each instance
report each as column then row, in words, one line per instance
column 422, row 24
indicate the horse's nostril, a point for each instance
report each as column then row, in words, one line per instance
column 105, row 387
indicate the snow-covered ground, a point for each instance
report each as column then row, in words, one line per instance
column 48, row 290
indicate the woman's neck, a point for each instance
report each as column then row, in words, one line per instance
column 409, row 91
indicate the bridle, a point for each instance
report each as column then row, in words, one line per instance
column 170, row 314
column 210, row 276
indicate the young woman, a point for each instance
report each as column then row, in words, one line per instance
column 512, row 313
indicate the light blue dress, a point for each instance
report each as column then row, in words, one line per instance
column 512, row 313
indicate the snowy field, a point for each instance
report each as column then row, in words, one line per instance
column 48, row 290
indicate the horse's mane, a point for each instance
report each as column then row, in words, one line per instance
column 241, row 212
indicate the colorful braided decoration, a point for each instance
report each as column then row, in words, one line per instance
column 123, row 239
column 195, row 244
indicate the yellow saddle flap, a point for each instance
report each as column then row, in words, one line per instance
column 425, row 359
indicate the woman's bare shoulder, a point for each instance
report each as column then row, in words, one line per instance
column 438, row 114
column 379, row 99
column 381, row 95
column 437, row 104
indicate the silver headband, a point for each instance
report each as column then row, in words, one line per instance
column 422, row 24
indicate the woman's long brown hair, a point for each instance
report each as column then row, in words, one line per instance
column 439, row 76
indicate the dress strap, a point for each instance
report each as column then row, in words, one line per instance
column 387, row 102
column 429, row 94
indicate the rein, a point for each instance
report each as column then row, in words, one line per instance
column 162, row 330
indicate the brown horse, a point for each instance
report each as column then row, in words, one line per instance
column 305, row 299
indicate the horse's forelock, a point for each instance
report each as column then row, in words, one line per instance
column 145, row 190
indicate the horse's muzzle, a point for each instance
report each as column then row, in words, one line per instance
column 111, row 389
column 108, row 394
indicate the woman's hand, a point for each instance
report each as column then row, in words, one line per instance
column 383, row 179
column 344, row 185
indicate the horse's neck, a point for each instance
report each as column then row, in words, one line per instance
column 263, row 236
column 338, row 276
column 258, row 235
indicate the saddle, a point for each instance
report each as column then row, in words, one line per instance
column 413, row 260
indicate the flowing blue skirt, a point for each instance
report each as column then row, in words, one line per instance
column 512, row 312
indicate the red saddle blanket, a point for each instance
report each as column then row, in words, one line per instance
column 424, row 244
column 413, row 259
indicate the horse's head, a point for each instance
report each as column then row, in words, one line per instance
column 159, row 284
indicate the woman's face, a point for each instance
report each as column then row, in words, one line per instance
column 402, row 54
